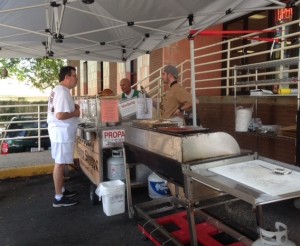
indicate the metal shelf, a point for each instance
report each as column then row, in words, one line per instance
column 292, row 80
column 268, row 135
column 269, row 64
column 257, row 83
column 274, row 95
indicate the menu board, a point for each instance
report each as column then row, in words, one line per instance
column 127, row 107
column 141, row 108
column 109, row 109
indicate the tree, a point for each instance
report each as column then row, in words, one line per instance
column 42, row 73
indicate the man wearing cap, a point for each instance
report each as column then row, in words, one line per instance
column 177, row 99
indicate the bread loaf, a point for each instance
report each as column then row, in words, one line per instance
column 106, row 92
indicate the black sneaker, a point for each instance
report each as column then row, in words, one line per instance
column 64, row 202
column 68, row 193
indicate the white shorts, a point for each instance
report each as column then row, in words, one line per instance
column 63, row 153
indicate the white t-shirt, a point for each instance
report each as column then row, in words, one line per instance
column 61, row 131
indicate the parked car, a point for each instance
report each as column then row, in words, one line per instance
column 23, row 130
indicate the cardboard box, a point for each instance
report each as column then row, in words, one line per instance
column 200, row 192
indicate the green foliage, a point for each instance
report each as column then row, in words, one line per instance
column 42, row 73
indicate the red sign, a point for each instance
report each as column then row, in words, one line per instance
column 110, row 137
column 109, row 110
column 283, row 15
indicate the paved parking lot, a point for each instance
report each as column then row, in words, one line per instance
column 28, row 218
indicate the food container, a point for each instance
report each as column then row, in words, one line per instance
column 89, row 136
column 79, row 132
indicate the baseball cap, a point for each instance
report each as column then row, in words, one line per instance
column 171, row 70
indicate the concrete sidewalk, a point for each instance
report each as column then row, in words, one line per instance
column 25, row 164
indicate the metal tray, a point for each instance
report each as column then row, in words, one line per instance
column 183, row 130
column 151, row 124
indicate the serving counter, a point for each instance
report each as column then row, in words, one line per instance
column 93, row 152
column 102, row 130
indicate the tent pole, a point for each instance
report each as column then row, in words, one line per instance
column 193, row 90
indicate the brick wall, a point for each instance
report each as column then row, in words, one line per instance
column 218, row 114
column 76, row 64
column 156, row 61
column 113, row 83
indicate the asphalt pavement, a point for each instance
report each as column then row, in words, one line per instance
column 28, row 218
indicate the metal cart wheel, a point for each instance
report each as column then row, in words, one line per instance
column 93, row 196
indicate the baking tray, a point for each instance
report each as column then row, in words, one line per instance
column 183, row 129
column 150, row 124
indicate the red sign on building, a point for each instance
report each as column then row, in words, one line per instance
column 283, row 15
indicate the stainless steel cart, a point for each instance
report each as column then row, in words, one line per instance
column 94, row 152
column 191, row 157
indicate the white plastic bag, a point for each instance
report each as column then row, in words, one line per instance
column 110, row 188
column 243, row 119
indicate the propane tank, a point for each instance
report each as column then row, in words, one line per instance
column 115, row 165
column 4, row 148
column 278, row 238
column 157, row 187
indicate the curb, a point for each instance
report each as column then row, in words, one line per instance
column 16, row 172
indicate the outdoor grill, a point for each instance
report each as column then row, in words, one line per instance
column 193, row 156
column 166, row 150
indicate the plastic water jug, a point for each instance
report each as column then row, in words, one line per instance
column 157, row 187
column 243, row 118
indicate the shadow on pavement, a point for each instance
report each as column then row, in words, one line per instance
column 28, row 218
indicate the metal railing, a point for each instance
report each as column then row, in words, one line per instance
column 215, row 64
column 250, row 50
column 26, row 113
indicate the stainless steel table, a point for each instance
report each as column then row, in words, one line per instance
column 251, row 178
column 186, row 158
column 167, row 151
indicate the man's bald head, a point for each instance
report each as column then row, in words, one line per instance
column 125, row 85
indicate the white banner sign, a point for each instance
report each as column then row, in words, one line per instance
column 111, row 137
column 127, row 107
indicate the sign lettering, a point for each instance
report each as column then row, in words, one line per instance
column 283, row 15
column 109, row 137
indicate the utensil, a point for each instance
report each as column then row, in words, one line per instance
column 145, row 100
column 279, row 170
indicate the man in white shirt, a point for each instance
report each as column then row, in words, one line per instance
column 62, row 122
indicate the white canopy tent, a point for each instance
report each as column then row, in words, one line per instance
column 111, row 30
